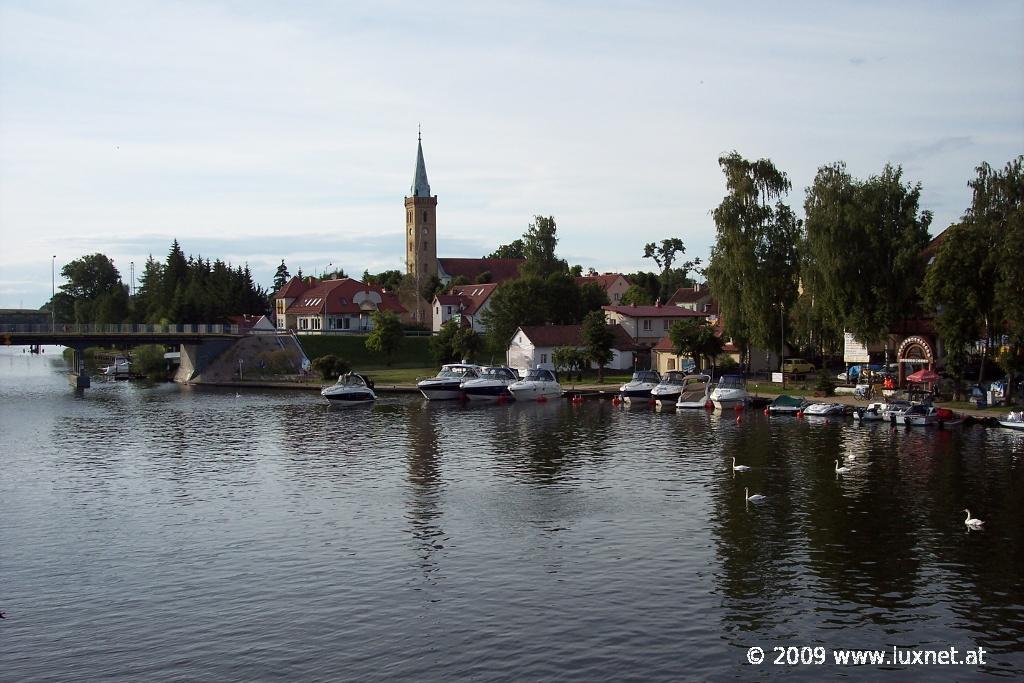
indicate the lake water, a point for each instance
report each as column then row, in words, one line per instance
column 174, row 533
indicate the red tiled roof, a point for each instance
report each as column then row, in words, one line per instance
column 448, row 299
column 344, row 296
column 294, row 288
column 606, row 280
column 664, row 344
column 572, row 335
column 501, row 269
column 689, row 295
column 474, row 296
column 933, row 247
column 654, row 311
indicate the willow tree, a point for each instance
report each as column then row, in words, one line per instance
column 977, row 277
column 863, row 243
column 754, row 263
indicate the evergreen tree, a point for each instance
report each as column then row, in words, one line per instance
column 281, row 277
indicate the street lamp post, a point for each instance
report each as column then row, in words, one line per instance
column 324, row 275
column 132, row 288
column 53, row 293
column 782, row 343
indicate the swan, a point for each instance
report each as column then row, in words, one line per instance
column 739, row 468
column 972, row 523
column 841, row 470
column 756, row 498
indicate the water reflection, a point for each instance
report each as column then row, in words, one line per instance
column 514, row 541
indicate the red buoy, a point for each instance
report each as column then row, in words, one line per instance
column 710, row 405
column 765, row 411
column 542, row 399
column 739, row 418
column 799, row 413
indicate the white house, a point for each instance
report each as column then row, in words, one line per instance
column 466, row 303
column 533, row 346
column 646, row 325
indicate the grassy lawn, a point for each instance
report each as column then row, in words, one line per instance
column 413, row 353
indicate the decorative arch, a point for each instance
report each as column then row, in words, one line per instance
column 913, row 352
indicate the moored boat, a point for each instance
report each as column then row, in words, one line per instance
column 786, row 405
column 666, row 393
column 445, row 385
column 695, row 392
column 1015, row 420
column 121, row 367
column 350, row 389
column 731, row 391
column 491, row 385
column 948, row 419
column 538, row 384
column 918, row 415
column 639, row 387
column 824, row 409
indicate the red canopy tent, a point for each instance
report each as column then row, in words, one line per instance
column 924, row 376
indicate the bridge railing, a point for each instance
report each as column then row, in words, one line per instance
column 125, row 329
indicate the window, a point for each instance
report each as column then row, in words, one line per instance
column 543, row 358
column 330, row 323
column 671, row 363
column 647, row 325
column 437, row 310
column 448, row 310
column 424, row 216
column 346, row 323
column 665, row 323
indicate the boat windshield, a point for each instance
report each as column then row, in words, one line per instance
column 460, row 371
column 672, row 377
column 497, row 373
column 351, row 379
column 646, row 376
column 730, row 382
column 539, row 375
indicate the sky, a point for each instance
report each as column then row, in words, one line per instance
column 258, row 131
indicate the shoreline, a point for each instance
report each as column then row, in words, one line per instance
column 598, row 391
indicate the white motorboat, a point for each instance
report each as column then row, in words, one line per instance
column 491, row 385
column 538, row 383
column 668, row 390
column 350, row 389
column 731, row 391
column 1015, row 420
column 445, row 386
column 695, row 392
column 121, row 367
column 893, row 409
column 872, row 413
column 786, row 405
column 639, row 387
column 824, row 409
column 918, row 415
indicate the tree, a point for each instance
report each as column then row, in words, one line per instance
column 597, row 341
column 386, row 335
column 648, row 288
column 539, row 243
column 569, row 359
column 514, row 303
column 665, row 255
column 636, row 295
column 696, row 339
column 391, row 280
column 592, row 297
column 514, row 249
column 441, row 344
column 94, row 291
column 976, row 280
column 281, row 276
column 863, row 243
column 754, row 268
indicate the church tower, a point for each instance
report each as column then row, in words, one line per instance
column 421, row 232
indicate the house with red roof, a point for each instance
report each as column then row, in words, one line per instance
column 613, row 284
column 696, row 298
column 253, row 324
column 648, row 324
column 465, row 303
column 490, row 270
column 533, row 346
column 342, row 306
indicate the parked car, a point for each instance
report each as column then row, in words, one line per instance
column 797, row 366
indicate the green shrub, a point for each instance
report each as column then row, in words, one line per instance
column 727, row 364
column 149, row 360
column 330, row 366
column 826, row 383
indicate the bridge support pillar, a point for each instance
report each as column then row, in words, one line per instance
column 78, row 378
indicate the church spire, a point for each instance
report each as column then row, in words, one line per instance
column 420, row 186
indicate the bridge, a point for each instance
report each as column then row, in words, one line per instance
column 75, row 335
column 78, row 337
